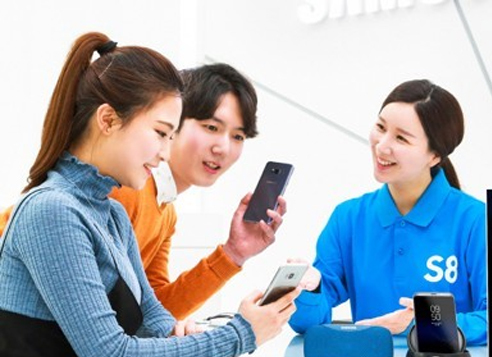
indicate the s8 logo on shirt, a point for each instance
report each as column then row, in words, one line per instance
column 448, row 272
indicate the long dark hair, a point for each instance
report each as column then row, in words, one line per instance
column 129, row 79
column 441, row 117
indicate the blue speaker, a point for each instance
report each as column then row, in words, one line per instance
column 348, row 340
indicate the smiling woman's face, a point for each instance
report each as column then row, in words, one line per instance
column 400, row 147
column 143, row 143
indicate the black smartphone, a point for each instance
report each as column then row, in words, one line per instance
column 272, row 184
column 286, row 279
column 435, row 322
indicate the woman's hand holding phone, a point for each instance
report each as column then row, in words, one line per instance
column 267, row 320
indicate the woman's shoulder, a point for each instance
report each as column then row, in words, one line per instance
column 464, row 201
column 46, row 200
column 355, row 207
column 358, row 202
column 44, row 210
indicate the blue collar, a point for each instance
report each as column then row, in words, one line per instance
column 424, row 210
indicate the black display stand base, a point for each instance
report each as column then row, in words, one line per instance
column 465, row 353
column 412, row 343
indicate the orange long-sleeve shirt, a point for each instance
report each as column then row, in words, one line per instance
column 154, row 227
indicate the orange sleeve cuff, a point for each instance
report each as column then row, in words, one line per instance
column 222, row 265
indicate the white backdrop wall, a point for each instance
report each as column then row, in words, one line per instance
column 341, row 69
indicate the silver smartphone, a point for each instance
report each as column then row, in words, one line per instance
column 286, row 279
column 435, row 322
column 272, row 183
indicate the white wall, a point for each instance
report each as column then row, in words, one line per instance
column 339, row 68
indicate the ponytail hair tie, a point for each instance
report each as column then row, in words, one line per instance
column 106, row 48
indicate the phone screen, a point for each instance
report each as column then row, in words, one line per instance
column 272, row 184
column 435, row 322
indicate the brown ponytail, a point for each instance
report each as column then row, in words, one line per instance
column 58, row 121
column 127, row 78
column 450, row 172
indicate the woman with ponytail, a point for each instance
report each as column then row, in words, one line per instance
column 418, row 233
column 71, row 277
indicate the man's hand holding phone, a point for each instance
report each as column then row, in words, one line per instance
column 259, row 215
column 272, row 184
column 247, row 240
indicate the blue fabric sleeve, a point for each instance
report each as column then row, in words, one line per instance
column 316, row 308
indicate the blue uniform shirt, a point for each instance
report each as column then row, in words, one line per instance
column 371, row 254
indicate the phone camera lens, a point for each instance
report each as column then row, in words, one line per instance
column 276, row 171
column 290, row 276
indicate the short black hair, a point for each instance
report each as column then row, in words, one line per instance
column 206, row 85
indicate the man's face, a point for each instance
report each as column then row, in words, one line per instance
column 204, row 149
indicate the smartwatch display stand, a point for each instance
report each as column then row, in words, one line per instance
column 412, row 346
